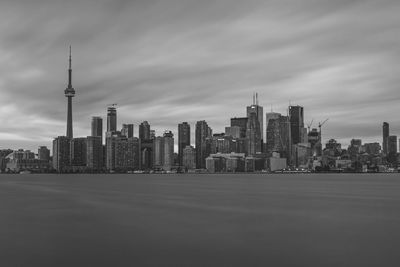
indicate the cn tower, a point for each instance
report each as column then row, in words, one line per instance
column 69, row 93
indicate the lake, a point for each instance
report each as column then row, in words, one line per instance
column 200, row 220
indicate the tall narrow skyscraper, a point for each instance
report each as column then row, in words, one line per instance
column 385, row 129
column 97, row 127
column 257, row 138
column 144, row 130
column 183, row 139
column 69, row 93
column 296, row 117
column 202, row 133
column 111, row 118
column 127, row 130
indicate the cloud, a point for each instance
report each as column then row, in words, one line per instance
column 172, row 61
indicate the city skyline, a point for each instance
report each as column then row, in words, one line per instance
column 167, row 64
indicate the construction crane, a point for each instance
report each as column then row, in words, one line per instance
column 310, row 124
column 320, row 126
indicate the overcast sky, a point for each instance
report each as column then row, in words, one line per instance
column 170, row 61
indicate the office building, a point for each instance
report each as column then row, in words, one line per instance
column 189, row 158
column 112, row 118
column 97, row 127
column 253, row 135
column 183, row 139
column 164, row 151
column 158, row 152
column 392, row 150
column 78, row 151
column 258, row 111
column 203, row 132
column 296, row 117
column 385, row 129
column 127, row 130
column 232, row 131
column 144, row 130
column 241, row 123
column 278, row 137
column 61, row 153
column 168, row 150
column 126, row 154
column 94, row 152
column 146, row 153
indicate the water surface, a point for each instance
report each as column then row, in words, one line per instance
column 200, row 220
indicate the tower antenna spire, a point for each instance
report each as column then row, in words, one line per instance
column 70, row 53
column 70, row 69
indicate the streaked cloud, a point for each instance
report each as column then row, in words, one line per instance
column 171, row 61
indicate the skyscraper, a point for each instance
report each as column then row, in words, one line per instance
column 241, row 123
column 61, row 153
column 269, row 116
column 168, row 161
column 253, row 135
column 78, row 151
column 296, row 116
column 203, row 132
column 69, row 93
column 158, row 152
column 278, row 137
column 392, row 150
column 127, row 130
column 273, row 132
column 97, row 127
column 144, row 130
column 259, row 132
column 111, row 118
column 183, row 139
column 126, row 154
column 94, row 153
column 189, row 157
column 385, row 129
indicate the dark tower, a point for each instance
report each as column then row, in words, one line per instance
column 385, row 129
column 144, row 131
column 202, row 133
column 112, row 118
column 97, row 127
column 296, row 117
column 183, row 139
column 69, row 93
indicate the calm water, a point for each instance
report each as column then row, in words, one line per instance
column 200, row 220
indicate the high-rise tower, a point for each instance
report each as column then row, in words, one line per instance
column 202, row 133
column 97, row 127
column 296, row 117
column 385, row 129
column 69, row 93
column 259, row 126
column 112, row 118
column 183, row 139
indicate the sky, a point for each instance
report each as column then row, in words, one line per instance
column 170, row 61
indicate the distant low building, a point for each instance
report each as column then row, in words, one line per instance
column 24, row 160
column 277, row 163
column 225, row 162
